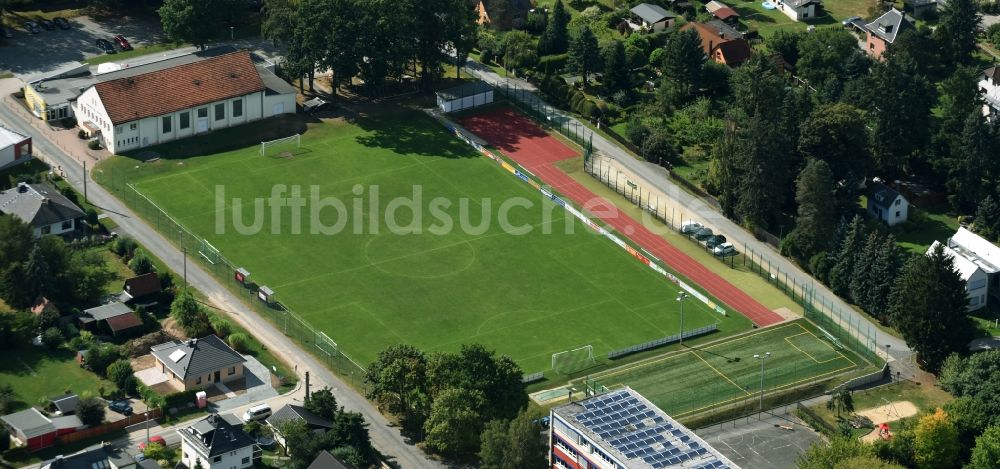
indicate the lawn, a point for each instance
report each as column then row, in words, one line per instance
column 368, row 288
column 37, row 374
column 926, row 397
column 702, row 377
column 135, row 52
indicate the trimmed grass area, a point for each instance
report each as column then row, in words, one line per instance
column 924, row 396
column 923, row 227
column 37, row 374
column 129, row 54
column 701, row 377
column 986, row 322
column 369, row 289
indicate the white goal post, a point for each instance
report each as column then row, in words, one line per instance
column 572, row 361
column 278, row 144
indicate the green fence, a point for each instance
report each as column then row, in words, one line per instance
column 207, row 256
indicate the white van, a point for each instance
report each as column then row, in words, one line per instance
column 257, row 412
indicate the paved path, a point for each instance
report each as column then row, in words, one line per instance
column 657, row 177
column 385, row 437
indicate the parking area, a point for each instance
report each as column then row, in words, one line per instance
column 27, row 54
column 776, row 441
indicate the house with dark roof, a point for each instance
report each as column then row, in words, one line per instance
column 881, row 33
column 989, row 87
column 650, row 18
column 886, row 204
column 503, row 14
column 102, row 456
column 15, row 148
column 140, row 287
column 65, row 404
column 198, row 363
column 325, row 460
column 798, row 10
column 727, row 51
column 41, row 206
column 116, row 317
column 173, row 101
column 722, row 12
column 291, row 413
column 920, row 8
column 212, row 443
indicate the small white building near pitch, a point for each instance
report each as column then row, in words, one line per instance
column 170, row 103
column 14, row 147
column 978, row 263
column 465, row 96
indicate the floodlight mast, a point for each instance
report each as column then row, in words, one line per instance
column 763, row 358
column 680, row 299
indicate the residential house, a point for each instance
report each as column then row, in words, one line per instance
column 41, row 206
column 30, row 428
column 15, row 148
column 43, row 305
column 989, row 86
column 881, row 33
column 986, row 256
column 920, row 8
column 975, row 277
column 798, row 10
column 728, row 51
column 650, row 18
column 212, row 443
column 116, row 318
column 886, row 204
column 198, row 363
column 291, row 413
column 102, row 456
column 325, row 460
column 141, row 287
column 509, row 14
column 722, row 12
column 65, row 404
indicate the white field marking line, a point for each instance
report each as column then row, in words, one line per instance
column 788, row 339
column 723, row 375
column 827, row 344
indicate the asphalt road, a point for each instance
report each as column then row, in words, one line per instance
column 699, row 210
column 385, row 437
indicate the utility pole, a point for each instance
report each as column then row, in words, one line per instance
column 185, row 252
column 680, row 298
column 763, row 358
column 85, row 199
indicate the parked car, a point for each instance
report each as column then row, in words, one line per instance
column 703, row 234
column 724, row 249
column 6, row 33
column 61, row 22
column 106, row 46
column 32, row 27
column 714, row 241
column 122, row 42
column 689, row 227
column 156, row 439
column 47, row 24
column 122, row 407
column 257, row 412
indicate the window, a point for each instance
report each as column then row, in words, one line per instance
column 118, row 129
column 238, row 108
column 203, row 112
column 217, row 459
column 246, row 460
column 67, row 224
column 232, row 370
column 897, row 213
column 46, row 229
column 220, row 111
column 132, row 126
column 898, row 201
column 185, row 120
column 974, row 301
column 167, row 121
column 977, row 284
column 198, row 381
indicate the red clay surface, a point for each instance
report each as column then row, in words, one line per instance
column 526, row 143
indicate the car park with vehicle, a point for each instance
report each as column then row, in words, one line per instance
column 122, row 42
column 714, row 241
column 106, row 46
column 724, row 249
column 690, row 227
column 47, row 24
column 61, row 22
column 122, row 407
column 703, row 234
column 32, row 27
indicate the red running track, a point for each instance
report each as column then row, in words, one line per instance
column 526, row 143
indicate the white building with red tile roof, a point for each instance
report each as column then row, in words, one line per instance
column 174, row 102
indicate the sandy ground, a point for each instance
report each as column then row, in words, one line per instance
column 887, row 413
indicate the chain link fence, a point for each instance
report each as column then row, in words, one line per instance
column 528, row 102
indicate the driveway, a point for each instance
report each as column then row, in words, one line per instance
column 28, row 54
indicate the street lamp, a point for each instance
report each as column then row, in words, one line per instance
column 232, row 33
column 146, row 415
column 680, row 298
column 763, row 358
column 887, row 359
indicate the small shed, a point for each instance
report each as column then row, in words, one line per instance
column 65, row 404
column 140, row 287
column 465, row 96
column 242, row 275
column 651, row 18
column 266, row 295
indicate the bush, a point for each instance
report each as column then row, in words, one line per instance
column 82, row 134
column 120, row 372
column 94, row 144
column 239, row 342
column 92, row 216
column 553, row 64
column 222, row 327
column 124, row 247
column 486, row 55
column 180, row 399
column 101, row 355
column 140, row 263
column 53, row 338
column 90, row 410
column 157, row 452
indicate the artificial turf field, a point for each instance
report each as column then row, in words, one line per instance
column 702, row 377
column 527, row 295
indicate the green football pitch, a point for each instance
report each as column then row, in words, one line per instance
column 525, row 295
column 726, row 371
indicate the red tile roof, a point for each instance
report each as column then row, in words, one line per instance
column 143, row 285
column 181, row 87
column 125, row 321
column 725, row 13
column 734, row 51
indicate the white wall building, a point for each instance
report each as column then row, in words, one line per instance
column 215, row 444
column 798, row 10
column 41, row 206
column 989, row 86
column 978, row 262
column 14, row 147
column 176, row 102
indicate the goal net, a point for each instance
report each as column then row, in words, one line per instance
column 572, row 361
column 281, row 147
column 209, row 252
column 326, row 344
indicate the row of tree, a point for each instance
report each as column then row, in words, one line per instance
column 448, row 399
column 348, row 440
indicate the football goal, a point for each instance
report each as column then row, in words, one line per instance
column 209, row 252
column 572, row 361
column 283, row 147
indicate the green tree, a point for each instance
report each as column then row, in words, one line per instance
column 120, row 373
column 683, row 65
column 936, row 443
column 496, row 377
column 518, row 50
column 140, row 263
column 850, row 248
column 956, row 30
column 323, row 404
column 616, row 72
column 100, row 355
column 90, row 410
column 840, row 449
column 239, row 342
column 959, row 95
column 829, row 57
column 53, row 338
column 338, row 40
column 397, row 380
column 584, row 53
column 512, row 444
column 460, row 30
column 786, row 44
column 837, row 135
column 301, row 444
column 867, row 462
column 986, row 454
column 454, row 425
column 928, row 306
column 555, row 38
column 351, row 431
column 901, row 100
column 817, row 218
column 972, row 169
column 987, row 220
column 278, row 20
column 185, row 309
column 195, row 21
column 971, row 417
